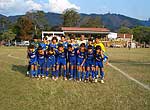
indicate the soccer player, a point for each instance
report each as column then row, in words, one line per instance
column 61, row 55
column 44, row 44
column 64, row 42
column 73, row 42
column 50, row 61
column 99, row 63
column 54, row 43
column 41, row 62
column 90, row 63
column 90, row 42
column 72, row 52
column 81, row 58
column 99, row 43
column 32, row 60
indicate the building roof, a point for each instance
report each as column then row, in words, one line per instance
column 85, row 30
column 124, row 35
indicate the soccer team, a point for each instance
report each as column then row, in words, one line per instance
column 80, row 61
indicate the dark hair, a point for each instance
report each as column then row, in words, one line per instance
column 55, row 38
column 45, row 38
column 60, row 45
column 31, row 47
column 40, row 48
column 98, row 47
column 35, row 37
column 50, row 49
column 90, row 47
column 82, row 45
column 96, row 37
column 90, row 39
column 72, row 37
column 69, row 46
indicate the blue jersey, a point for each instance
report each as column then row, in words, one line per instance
column 55, row 46
column 81, row 55
column 36, row 44
column 72, row 54
column 44, row 46
column 65, row 44
column 91, row 55
column 50, row 59
column 61, row 54
column 74, row 45
column 98, row 57
column 33, row 57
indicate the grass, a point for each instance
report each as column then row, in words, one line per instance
column 118, row 93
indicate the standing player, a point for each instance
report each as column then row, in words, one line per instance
column 64, row 42
column 32, row 60
column 51, row 61
column 41, row 62
column 99, row 63
column 44, row 44
column 81, row 58
column 90, row 63
column 54, row 43
column 61, row 60
column 73, row 42
column 72, row 52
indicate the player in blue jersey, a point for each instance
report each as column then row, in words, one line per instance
column 81, row 58
column 90, row 63
column 72, row 58
column 61, row 55
column 64, row 42
column 54, row 43
column 32, row 55
column 99, row 57
column 90, row 42
column 44, row 44
column 50, row 61
column 73, row 42
column 41, row 62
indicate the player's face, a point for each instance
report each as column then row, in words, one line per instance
column 72, row 40
column 31, row 50
column 89, row 50
column 97, row 40
column 63, row 38
column 50, row 51
column 44, row 40
column 35, row 40
column 98, row 50
column 82, row 37
column 54, row 41
column 40, row 51
column 90, row 42
column 60, row 48
column 82, row 48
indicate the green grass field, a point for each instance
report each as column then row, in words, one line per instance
column 18, row 92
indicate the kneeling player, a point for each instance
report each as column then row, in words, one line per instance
column 99, row 63
column 50, row 56
column 32, row 60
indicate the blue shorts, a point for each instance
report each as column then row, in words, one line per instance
column 73, row 61
column 79, row 61
column 41, row 63
column 61, row 61
column 50, row 63
column 90, row 63
column 33, row 62
column 99, row 64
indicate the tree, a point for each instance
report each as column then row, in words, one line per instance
column 125, row 30
column 70, row 18
column 24, row 28
column 4, row 23
column 91, row 22
column 8, row 35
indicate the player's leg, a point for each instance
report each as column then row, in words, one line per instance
column 32, row 71
column 71, row 71
column 53, row 71
column 102, row 74
column 83, row 73
column 64, row 67
column 74, row 71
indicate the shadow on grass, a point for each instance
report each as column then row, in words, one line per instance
column 20, row 68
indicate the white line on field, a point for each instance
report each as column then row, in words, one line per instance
column 9, row 55
column 129, row 77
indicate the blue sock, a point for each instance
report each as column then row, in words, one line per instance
column 71, row 73
column 56, row 73
column 39, row 71
column 36, row 72
column 93, row 74
column 79, row 74
column 82, row 76
column 32, row 72
column 53, row 73
column 87, row 74
column 74, row 73
column 96, row 74
column 46, row 73
column 64, row 73
column 42, row 72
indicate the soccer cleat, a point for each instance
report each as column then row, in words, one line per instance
column 102, row 81
column 53, row 78
column 79, row 79
column 56, row 78
column 95, row 80
column 70, row 78
column 46, row 77
column 27, row 73
column 65, row 78
column 39, row 76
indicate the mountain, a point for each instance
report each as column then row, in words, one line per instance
column 111, row 21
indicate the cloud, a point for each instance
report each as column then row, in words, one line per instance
column 13, row 7
column 19, row 7
column 59, row 6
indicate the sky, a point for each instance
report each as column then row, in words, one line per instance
column 133, row 8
